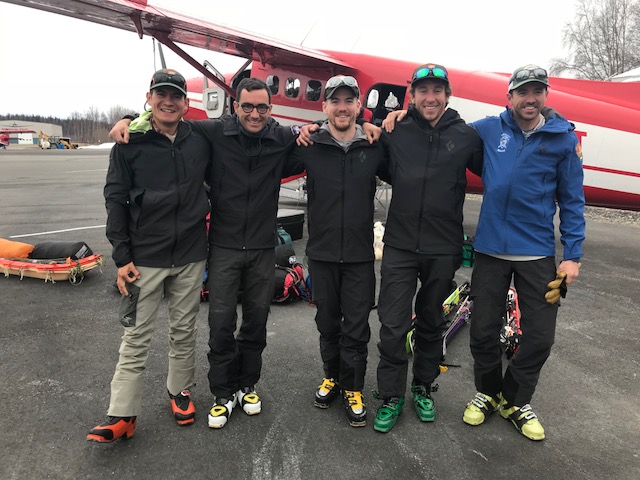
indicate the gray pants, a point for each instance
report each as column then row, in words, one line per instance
column 181, row 287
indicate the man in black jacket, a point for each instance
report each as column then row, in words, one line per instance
column 250, row 157
column 341, row 168
column 430, row 151
column 156, row 208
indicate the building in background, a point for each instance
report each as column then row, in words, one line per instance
column 632, row 75
column 21, row 132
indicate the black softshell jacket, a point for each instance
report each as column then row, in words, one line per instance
column 428, row 174
column 245, row 182
column 341, row 186
column 156, row 200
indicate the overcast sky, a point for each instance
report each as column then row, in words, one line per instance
column 53, row 65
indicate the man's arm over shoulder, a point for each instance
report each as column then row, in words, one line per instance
column 294, row 163
column 385, row 166
column 207, row 127
column 480, row 126
column 477, row 155
column 287, row 135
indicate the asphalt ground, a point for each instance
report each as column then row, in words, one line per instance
column 59, row 342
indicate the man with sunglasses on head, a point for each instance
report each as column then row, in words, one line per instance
column 341, row 167
column 430, row 151
column 156, row 207
column 531, row 160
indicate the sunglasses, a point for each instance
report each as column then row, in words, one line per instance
column 425, row 72
column 262, row 108
column 164, row 77
column 340, row 81
column 537, row 73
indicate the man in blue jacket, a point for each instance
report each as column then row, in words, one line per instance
column 531, row 160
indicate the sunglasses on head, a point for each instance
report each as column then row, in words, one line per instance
column 537, row 73
column 339, row 81
column 164, row 77
column 425, row 72
column 262, row 108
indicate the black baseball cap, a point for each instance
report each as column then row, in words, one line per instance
column 169, row 78
column 430, row 70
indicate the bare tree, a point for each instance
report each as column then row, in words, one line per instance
column 116, row 113
column 603, row 40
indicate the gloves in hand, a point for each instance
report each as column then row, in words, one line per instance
column 557, row 288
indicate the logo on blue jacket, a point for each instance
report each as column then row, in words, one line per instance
column 504, row 141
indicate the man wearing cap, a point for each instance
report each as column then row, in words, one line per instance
column 531, row 159
column 430, row 151
column 341, row 168
column 156, row 207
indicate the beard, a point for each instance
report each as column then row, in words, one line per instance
column 342, row 126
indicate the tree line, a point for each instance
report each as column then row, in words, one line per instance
column 91, row 127
column 603, row 40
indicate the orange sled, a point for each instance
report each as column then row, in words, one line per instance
column 50, row 270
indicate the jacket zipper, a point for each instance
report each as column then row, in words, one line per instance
column 342, row 208
column 422, row 199
column 247, row 205
column 175, row 215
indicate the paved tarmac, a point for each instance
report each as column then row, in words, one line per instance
column 59, row 348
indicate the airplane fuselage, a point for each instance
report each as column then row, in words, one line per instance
column 607, row 125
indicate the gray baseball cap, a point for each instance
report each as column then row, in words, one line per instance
column 338, row 81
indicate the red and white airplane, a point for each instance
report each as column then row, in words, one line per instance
column 606, row 114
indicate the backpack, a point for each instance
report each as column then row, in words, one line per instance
column 289, row 282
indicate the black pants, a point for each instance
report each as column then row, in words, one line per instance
column 344, row 294
column 400, row 271
column 236, row 362
column 490, row 282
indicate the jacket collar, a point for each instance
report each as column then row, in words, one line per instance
column 554, row 122
column 231, row 127
column 323, row 135
column 449, row 117
column 184, row 129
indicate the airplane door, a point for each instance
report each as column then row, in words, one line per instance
column 383, row 98
column 213, row 98
column 213, row 101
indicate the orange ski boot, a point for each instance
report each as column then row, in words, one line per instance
column 113, row 429
column 184, row 411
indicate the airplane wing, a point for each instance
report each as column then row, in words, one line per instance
column 138, row 16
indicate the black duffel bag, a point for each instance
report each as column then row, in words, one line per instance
column 54, row 250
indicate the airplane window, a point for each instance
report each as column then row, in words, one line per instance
column 292, row 88
column 273, row 82
column 372, row 99
column 314, row 87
